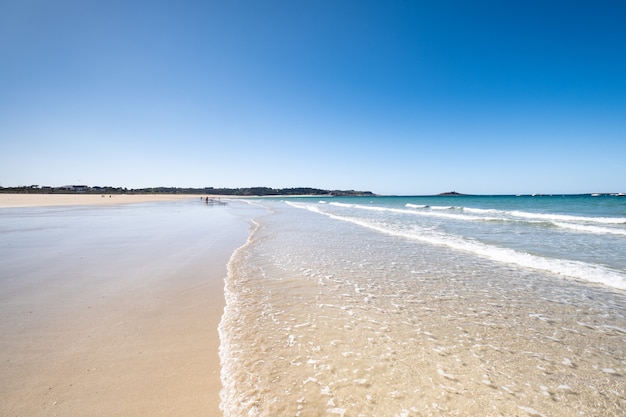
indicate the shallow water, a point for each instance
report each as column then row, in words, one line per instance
column 328, row 315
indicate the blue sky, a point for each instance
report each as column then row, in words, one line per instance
column 395, row 97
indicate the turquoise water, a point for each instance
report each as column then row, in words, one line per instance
column 581, row 237
column 428, row 306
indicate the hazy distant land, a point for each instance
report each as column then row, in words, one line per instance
column 247, row 191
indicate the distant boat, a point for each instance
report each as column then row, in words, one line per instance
column 595, row 195
column 620, row 194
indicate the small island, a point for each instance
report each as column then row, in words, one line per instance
column 451, row 194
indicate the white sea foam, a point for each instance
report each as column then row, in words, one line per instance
column 492, row 215
column 591, row 229
column 416, row 206
column 230, row 401
column 439, row 214
column 483, row 211
column 568, row 218
column 569, row 268
column 547, row 216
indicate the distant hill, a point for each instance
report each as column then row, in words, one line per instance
column 451, row 193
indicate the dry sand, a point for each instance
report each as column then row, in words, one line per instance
column 113, row 329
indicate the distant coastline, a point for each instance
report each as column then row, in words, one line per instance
column 247, row 191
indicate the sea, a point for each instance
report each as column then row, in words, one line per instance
column 427, row 306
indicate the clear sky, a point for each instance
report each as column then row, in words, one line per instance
column 395, row 97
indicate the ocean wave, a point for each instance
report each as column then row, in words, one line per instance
column 456, row 216
column 484, row 211
column 546, row 216
column 446, row 208
column 591, row 229
column 417, row 206
column 568, row 218
column 568, row 268
column 568, row 222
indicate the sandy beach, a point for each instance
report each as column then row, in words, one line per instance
column 39, row 200
column 112, row 312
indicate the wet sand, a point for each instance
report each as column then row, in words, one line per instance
column 39, row 200
column 112, row 312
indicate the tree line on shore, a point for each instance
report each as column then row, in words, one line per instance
column 247, row 191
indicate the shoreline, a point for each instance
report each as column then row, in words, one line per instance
column 344, row 318
column 42, row 200
column 95, row 322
